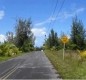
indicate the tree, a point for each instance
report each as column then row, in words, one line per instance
column 78, row 34
column 9, row 36
column 52, row 40
column 24, row 36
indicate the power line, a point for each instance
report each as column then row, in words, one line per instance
column 53, row 13
column 55, row 7
column 58, row 13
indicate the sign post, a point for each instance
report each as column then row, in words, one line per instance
column 63, row 51
column 64, row 40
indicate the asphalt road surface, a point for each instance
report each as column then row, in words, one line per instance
column 34, row 65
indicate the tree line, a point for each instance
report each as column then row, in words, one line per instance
column 22, row 40
column 77, row 38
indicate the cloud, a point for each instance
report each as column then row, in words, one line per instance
column 39, row 32
column 62, row 16
column 45, row 21
column 2, row 38
column 66, row 14
column 80, row 10
column 2, row 14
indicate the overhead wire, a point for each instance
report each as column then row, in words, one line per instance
column 57, row 15
column 53, row 13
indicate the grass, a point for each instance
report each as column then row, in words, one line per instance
column 4, row 58
column 70, row 67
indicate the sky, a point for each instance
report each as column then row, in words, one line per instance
column 42, row 16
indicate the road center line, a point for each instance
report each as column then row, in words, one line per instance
column 9, row 73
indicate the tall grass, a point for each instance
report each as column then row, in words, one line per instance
column 70, row 67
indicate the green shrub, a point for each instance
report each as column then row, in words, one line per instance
column 53, row 48
column 8, row 49
column 73, row 46
column 0, row 52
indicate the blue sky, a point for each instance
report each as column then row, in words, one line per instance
column 40, row 12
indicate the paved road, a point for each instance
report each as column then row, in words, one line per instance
column 33, row 65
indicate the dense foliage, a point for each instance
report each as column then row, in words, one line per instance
column 24, row 38
column 78, row 34
column 77, row 38
column 52, row 41
column 8, row 49
column 22, row 41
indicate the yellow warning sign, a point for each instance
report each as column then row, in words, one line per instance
column 64, row 39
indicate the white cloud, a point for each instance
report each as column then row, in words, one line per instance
column 66, row 14
column 1, row 14
column 39, row 32
column 62, row 16
column 2, row 38
column 45, row 21
column 41, row 23
column 80, row 10
column 51, row 19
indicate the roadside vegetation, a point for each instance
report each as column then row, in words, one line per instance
column 77, row 38
column 73, row 66
column 21, row 41
column 69, row 68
